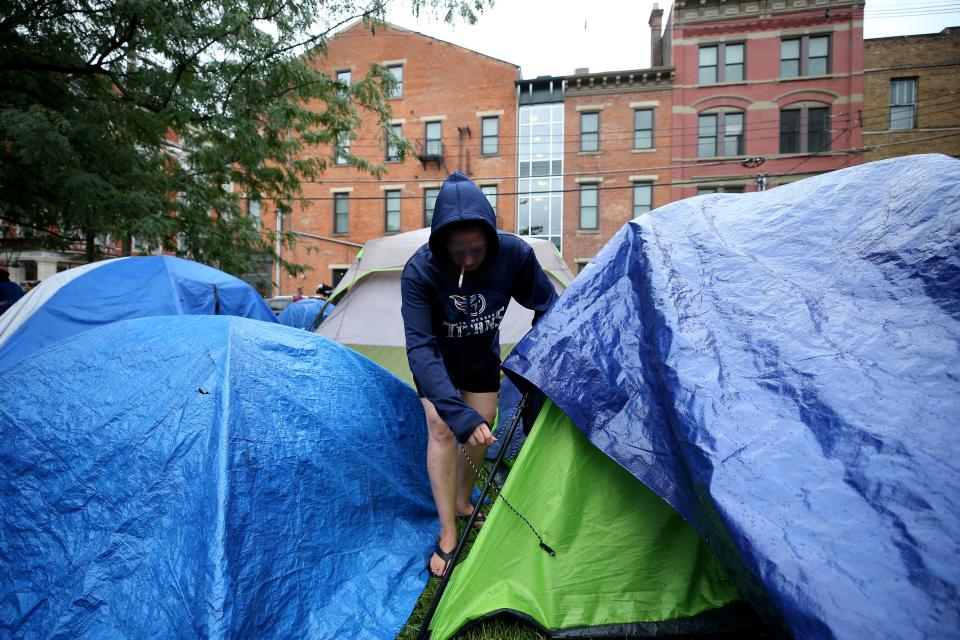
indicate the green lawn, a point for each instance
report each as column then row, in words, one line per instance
column 499, row 628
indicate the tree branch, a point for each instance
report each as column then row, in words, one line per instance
column 46, row 230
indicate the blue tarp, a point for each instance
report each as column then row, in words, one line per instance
column 303, row 313
column 783, row 368
column 214, row 477
column 126, row 288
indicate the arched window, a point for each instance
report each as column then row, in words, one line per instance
column 805, row 128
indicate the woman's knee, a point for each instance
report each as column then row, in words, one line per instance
column 439, row 430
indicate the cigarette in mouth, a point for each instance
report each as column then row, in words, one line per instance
column 460, row 282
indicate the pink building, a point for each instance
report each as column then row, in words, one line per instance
column 766, row 91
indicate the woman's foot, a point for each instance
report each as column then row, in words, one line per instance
column 440, row 560
column 478, row 522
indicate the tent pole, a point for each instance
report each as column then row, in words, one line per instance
column 424, row 632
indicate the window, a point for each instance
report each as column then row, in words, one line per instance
column 489, row 135
column 643, row 129
column 805, row 130
column 721, row 63
column 253, row 211
column 590, row 131
column 642, row 197
column 394, row 133
column 433, row 145
column 392, row 211
column 397, row 90
column 341, row 213
column 588, row 206
column 341, row 148
column 720, row 134
column 491, row 192
column 708, row 65
column 429, row 202
column 806, row 56
column 903, row 103
column 728, row 189
column 344, row 77
column 337, row 275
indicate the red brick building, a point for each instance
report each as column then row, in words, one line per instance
column 457, row 107
column 778, row 81
column 617, row 165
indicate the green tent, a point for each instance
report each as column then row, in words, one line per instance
column 626, row 562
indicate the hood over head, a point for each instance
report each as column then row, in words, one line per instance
column 460, row 200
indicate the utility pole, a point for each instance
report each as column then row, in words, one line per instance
column 276, row 251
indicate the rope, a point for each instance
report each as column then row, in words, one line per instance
column 486, row 477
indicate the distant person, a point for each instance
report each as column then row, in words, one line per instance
column 10, row 291
column 455, row 290
column 298, row 296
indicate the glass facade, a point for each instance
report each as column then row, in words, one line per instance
column 540, row 186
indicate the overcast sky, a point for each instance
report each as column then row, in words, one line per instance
column 553, row 37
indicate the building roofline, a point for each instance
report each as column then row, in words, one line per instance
column 944, row 32
column 390, row 25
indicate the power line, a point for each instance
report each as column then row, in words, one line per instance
column 698, row 180
column 772, row 126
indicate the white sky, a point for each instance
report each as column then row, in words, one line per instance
column 553, row 37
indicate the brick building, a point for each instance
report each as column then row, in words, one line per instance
column 740, row 95
column 912, row 95
column 457, row 107
column 775, row 81
column 618, row 154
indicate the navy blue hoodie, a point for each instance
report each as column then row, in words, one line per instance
column 452, row 331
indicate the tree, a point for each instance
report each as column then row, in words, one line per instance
column 133, row 117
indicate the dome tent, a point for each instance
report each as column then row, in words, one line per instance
column 110, row 290
column 778, row 369
column 367, row 316
column 189, row 476
column 305, row 314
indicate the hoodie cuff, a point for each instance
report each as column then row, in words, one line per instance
column 465, row 424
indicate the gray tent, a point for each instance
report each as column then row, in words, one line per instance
column 367, row 314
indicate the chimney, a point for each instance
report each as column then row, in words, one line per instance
column 656, row 39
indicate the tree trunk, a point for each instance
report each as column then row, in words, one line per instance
column 91, row 251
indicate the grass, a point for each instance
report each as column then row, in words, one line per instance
column 498, row 628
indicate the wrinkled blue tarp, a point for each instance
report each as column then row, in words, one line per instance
column 214, row 477
column 783, row 368
column 126, row 288
column 303, row 314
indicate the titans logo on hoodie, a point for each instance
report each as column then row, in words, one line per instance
column 453, row 332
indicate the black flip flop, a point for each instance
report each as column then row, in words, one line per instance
column 446, row 556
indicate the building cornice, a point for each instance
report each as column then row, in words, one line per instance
column 657, row 78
